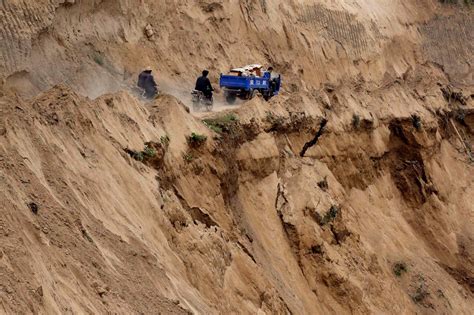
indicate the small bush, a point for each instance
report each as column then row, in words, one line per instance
column 137, row 156
column 149, row 152
column 165, row 141
column 99, row 59
column 317, row 249
column 216, row 129
column 273, row 118
column 228, row 118
column 324, row 184
column 460, row 116
column 188, row 157
column 330, row 216
column 33, row 207
column 277, row 122
column 399, row 269
column 196, row 140
column 221, row 124
column 420, row 294
column 416, row 121
column 355, row 121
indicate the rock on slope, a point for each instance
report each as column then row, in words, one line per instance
column 376, row 218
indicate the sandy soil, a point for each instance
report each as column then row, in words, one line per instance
column 110, row 205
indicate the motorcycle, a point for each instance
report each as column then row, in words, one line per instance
column 200, row 101
column 141, row 93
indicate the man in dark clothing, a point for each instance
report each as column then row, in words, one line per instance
column 204, row 85
column 147, row 82
column 273, row 79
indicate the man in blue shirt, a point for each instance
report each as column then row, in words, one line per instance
column 204, row 85
column 147, row 82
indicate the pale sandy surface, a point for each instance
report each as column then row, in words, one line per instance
column 241, row 224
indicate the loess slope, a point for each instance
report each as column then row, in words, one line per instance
column 377, row 217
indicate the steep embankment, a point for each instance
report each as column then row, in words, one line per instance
column 377, row 217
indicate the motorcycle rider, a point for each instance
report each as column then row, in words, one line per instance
column 273, row 78
column 204, row 85
column 147, row 82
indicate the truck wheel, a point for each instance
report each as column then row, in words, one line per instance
column 230, row 98
column 251, row 94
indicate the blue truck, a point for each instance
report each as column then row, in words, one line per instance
column 236, row 85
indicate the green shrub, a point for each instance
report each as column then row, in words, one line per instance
column 274, row 119
column 399, row 269
column 329, row 216
column 416, row 121
column 216, row 129
column 460, row 116
column 137, row 156
column 221, row 124
column 323, row 184
column 356, row 121
column 165, row 141
column 196, row 140
column 99, row 59
column 228, row 118
column 149, row 152
column 188, row 157
column 420, row 294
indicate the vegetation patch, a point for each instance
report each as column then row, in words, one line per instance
column 323, row 185
column 165, row 141
column 329, row 216
column 196, row 140
column 275, row 121
column 98, row 59
column 420, row 294
column 188, row 157
column 221, row 124
column 33, row 207
column 460, row 116
column 137, row 155
column 416, row 121
column 399, row 269
column 356, row 121
column 317, row 249
column 152, row 154
column 149, row 152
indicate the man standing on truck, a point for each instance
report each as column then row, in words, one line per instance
column 273, row 78
column 147, row 82
column 204, row 85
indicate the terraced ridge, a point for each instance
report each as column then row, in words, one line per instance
column 342, row 27
column 21, row 21
column 449, row 41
